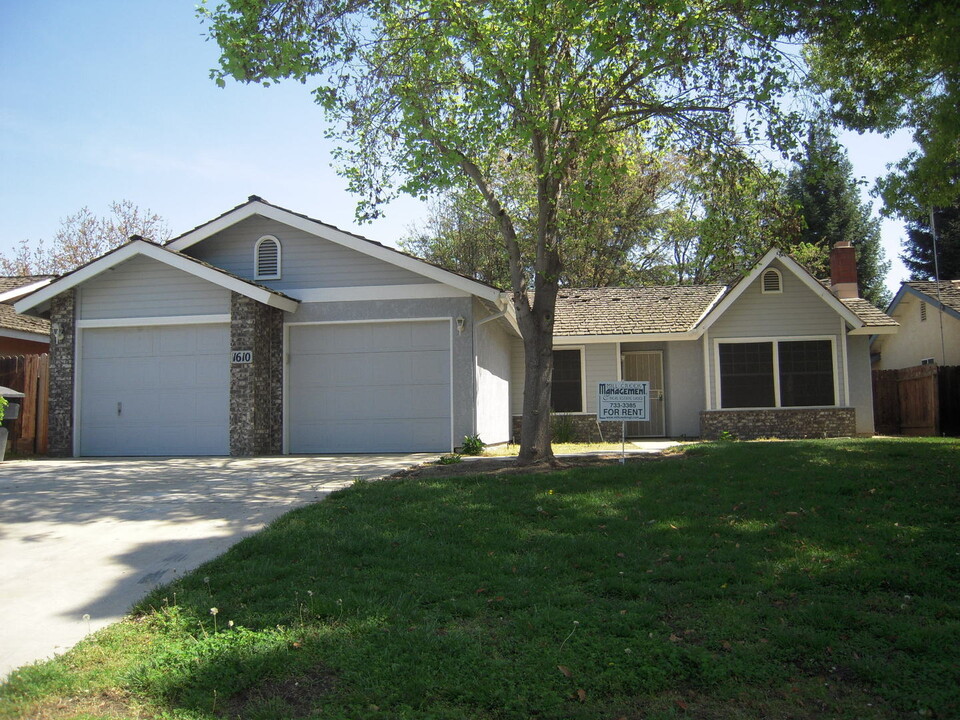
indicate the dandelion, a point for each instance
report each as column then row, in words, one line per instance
column 86, row 619
column 214, row 611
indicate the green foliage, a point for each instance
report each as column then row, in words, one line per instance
column 450, row 459
column 563, row 429
column 918, row 246
column 824, row 189
column 472, row 445
column 3, row 407
column 886, row 65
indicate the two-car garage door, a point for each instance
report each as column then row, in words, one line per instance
column 162, row 390
column 350, row 387
column 369, row 387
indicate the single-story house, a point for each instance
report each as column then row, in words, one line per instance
column 929, row 318
column 22, row 334
column 265, row 331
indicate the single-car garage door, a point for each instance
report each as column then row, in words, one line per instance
column 161, row 390
column 369, row 387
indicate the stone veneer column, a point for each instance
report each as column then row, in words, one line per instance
column 63, row 312
column 256, row 389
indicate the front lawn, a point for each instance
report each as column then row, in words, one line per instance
column 734, row 580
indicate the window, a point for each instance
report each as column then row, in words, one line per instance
column 267, row 258
column 566, row 394
column 928, row 361
column 771, row 282
column 781, row 373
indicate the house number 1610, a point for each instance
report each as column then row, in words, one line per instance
column 241, row 357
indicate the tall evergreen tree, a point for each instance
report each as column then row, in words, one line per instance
column 918, row 247
column 824, row 189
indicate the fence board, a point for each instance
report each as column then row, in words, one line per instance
column 28, row 374
column 921, row 400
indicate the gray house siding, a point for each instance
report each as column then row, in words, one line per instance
column 683, row 389
column 143, row 287
column 306, row 260
column 796, row 312
column 861, row 382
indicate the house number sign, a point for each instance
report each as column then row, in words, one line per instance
column 241, row 357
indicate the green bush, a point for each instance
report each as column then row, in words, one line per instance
column 472, row 445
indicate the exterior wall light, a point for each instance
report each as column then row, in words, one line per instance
column 57, row 331
column 460, row 323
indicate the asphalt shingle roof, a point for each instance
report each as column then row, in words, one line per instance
column 632, row 311
column 9, row 319
column 17, row 281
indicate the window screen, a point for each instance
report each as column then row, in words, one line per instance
column 746, row 375
column 806, row 373
column 566, row 392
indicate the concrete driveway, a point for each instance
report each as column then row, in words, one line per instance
column 91, row 537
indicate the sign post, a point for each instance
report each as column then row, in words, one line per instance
column 623, row 400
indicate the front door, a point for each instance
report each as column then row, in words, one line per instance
column 646, row 365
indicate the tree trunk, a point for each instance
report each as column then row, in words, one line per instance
column 536, row 327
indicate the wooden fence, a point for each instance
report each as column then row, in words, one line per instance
column 921, row 400
column 30, row 374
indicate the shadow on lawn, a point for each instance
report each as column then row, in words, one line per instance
column 737, row 571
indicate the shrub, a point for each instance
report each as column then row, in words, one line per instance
column 472, row 445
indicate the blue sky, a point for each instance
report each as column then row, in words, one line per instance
column 104, row 100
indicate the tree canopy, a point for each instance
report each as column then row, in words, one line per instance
column 83, row 237
column 890, row 64
column 918, row 247
column 828, row 197
column 428, row 94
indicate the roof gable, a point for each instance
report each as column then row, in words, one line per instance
column 40, row 299
column 788, row 263
column 928, row 291
column 257, row 206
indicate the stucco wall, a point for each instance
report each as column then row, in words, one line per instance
column 493, row 382
column 861, row 382
column 916, row 339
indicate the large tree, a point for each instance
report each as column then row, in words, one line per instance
column 427, row 94
column 82, row 237
column 614, row 242
column 892, row 64
column 918, row 253
column 828, row 197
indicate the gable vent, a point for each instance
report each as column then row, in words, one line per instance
column 772, row 282
column 923, row 311
column 267, row 260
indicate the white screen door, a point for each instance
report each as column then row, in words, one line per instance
column 646, row 365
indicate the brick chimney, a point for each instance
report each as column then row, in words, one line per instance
column 843, row 270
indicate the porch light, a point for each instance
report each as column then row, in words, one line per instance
column 460, row 323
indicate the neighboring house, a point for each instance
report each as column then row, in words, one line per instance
column 264, row 331
column 929, row 317
column 22, row 334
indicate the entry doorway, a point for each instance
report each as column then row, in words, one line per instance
column 646, row 365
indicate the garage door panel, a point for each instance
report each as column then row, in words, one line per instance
column 172, row 385
column 369, row 387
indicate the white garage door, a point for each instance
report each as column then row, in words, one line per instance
column 155, row 390
column 369, row 387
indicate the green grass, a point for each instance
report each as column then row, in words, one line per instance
column 737, row 580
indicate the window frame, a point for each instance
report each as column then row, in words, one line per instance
column 583, row 381
column 257, row 275
column 775, row 341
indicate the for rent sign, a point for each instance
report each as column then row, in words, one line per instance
column 625, row 400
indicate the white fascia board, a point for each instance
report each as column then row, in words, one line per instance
column 799, row 271
column 339, row 237
column 24, row 290
column 928, row 299
column 875, row 330
column 155, row 252
column 22, row 335
column 646, row 337
column 425, row 291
